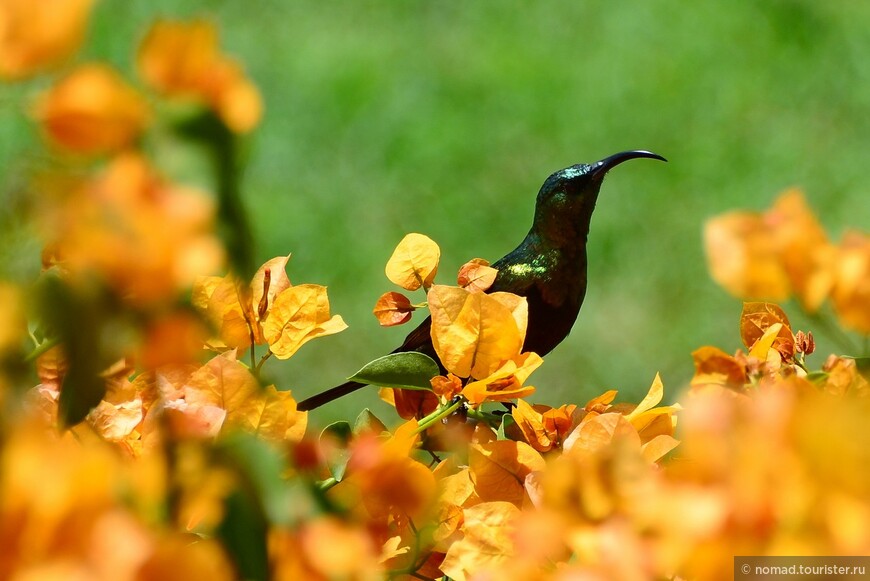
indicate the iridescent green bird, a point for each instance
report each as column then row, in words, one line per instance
column 548, row 267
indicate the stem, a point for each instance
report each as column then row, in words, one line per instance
column 325, row 485
column 438, row 414
column 263, row 360
column 799, row 361
column 42, row 348
column 834, row 332
column 482, row 416
column 416, row 560
column 244, row 300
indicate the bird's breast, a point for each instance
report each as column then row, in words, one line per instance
column 552, row 275
column 554, row 284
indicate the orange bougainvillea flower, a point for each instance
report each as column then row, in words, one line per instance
column 55, row 494
column 715, row 367
column 268, row 311
column 802, row 245
column 851, row 283
column 648, row 426
column 13, row 323
column 183, row 59
column 237, row 310
column 784, row 251
column 36, row 35
column 92, row 110
column 447, row 386
column 543, row 427
column 742, row 257
column 188, row 556
column 144, row 237
column 764, row 326
column 225, row 383
column 299, row 314
column 337, row 550
column 499, row 469
column 393, row 309
column 655, row 425
column 73, row 508
column 385, row 478
column 506, row 382
column 476, row 275
column 475, row 333
column 173, row 338
column 413, row 403
column 486, row 541
column 228, row 304
column 843, row 377
column 414, row 262
column 771, row 255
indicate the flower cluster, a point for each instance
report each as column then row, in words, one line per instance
column 153, row 447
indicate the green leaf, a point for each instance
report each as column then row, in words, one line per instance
column 506, row 421
column 224, row 156
column 863, row 365
column 342, row 432
column 409, row 370
column 367, row 422
column 260, row 498
column 243, row 534
column 76, row 321
column 260, row 465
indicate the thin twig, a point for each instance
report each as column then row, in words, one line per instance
column 834, row 332
column 42, row 348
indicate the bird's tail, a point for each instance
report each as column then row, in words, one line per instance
column 324, row 397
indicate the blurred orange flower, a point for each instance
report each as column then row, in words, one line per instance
column 742, row 258
column 13, row 323
column 851, row 285
column 485, row 544
column 37, row 34
column 146, row 238
column 92, row 110
column 802, row 246
column 785, row 251
column 65, row 513
column 183, row 59
column 389, row 482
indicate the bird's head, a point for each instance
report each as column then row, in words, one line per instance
column 567, row 198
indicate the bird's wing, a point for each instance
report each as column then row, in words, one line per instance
column 510, row 280
column 418, row 338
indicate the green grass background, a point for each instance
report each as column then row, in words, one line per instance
column 384, row 118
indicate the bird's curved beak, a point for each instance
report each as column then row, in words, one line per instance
column 599, row 168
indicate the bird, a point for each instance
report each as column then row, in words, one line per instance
column 548, row 267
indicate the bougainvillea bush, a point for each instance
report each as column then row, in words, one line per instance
column 138, row 439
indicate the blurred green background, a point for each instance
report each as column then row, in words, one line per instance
column 384, row 118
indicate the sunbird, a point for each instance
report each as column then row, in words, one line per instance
column 548, row 267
